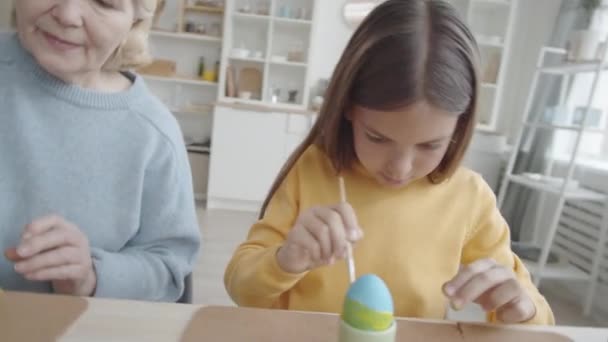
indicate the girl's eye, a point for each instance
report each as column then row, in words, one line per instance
column 375, row 139
column 104, row 4
column 431, row 146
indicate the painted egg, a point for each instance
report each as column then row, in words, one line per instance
column 368, row 305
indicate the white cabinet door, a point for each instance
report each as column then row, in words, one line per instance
column 248, row 150
column 298, row 127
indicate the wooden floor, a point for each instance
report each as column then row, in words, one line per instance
column 223, row 231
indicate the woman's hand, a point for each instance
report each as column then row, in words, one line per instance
column 53, row 249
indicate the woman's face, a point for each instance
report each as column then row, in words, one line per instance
column 72, row 37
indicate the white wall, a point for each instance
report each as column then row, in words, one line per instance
column 5, row 13
column 534, row 24
column 330, row 37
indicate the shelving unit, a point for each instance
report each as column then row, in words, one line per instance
column 185, row 36
column 189, row 96
column 561, row 127
column 170, row 41
column 569, row 194
column 492, row 24
column 248, row 59
column 295, row 64
column 566, row 191
column 266, row 31
column 251, row 17
column 204, row 9
column 275, row 44
column 574, row 68
column 180, row 80
column 299, row 22
column 562, row 270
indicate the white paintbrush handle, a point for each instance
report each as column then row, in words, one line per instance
column 351, row 264
column 350, row 261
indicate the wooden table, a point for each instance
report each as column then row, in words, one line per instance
column 33, row 318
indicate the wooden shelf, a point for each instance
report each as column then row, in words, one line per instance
column 293, row 64
column 248, row 59
column 574, row 194
column 557, row 271
column 205, row 9
column 293, row 22
column 252, row 17
column 245, row 102
column 186, row 36
column 263, row 106
column 574, row 68
column 547, row 126
column 180, row 80
column 484, row 127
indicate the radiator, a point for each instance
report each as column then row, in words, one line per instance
column 577, row 236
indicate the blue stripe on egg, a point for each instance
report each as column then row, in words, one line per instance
column 371, row 291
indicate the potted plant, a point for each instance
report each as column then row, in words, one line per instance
column 585, row 44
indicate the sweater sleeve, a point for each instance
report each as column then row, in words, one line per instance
column 490, row 238
column 253, row 276
column 154, row 263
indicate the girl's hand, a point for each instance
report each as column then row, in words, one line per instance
column 52, row 249
column 494, row 287
column 319, row 237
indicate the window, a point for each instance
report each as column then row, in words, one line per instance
column 594, row 144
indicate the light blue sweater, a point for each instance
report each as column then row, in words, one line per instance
column 113, row 164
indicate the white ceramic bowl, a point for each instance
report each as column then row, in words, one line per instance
column 240, row 53
column 245, row 95
column 279, row 59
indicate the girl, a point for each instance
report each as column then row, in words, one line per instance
column 397, row 121
column 95, row 187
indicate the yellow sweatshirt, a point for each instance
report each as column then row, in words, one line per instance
column 415, row 239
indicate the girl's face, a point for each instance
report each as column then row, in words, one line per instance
column 401, row 146
column 71, row 37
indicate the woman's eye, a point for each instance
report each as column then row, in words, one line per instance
column 375, row 139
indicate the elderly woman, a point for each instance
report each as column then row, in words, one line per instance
column 95, row 187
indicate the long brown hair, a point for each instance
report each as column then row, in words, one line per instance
column 405, row 51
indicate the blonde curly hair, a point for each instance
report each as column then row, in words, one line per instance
column 133, row 52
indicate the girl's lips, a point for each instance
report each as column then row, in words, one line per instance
column 394, row 182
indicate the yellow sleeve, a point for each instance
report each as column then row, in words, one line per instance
column 253, row 277
column 490, row 238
